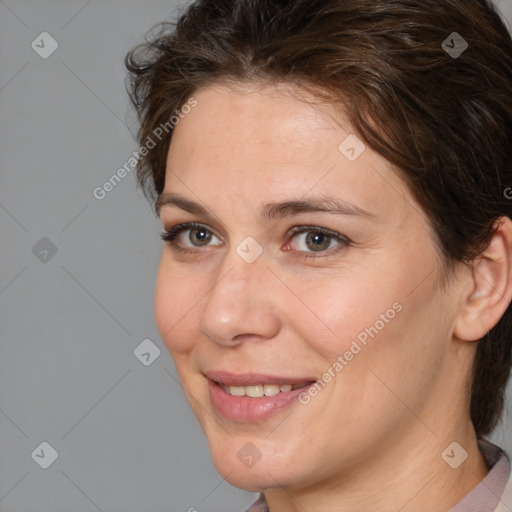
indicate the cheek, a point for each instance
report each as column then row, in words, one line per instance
column 175, row 299
column 345, row 310
column 369, row 321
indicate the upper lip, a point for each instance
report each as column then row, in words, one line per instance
column 252, row 379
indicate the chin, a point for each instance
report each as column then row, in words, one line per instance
column 254, row 470
column 256, row 479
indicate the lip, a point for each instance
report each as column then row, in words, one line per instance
column 246, row 409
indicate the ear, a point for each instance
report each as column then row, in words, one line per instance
column 490, row 292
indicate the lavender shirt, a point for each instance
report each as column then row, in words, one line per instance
column 487, row 496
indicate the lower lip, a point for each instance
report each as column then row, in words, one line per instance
column 247, row 409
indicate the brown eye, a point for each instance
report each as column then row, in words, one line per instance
column 200, row 236
column 318, row 241
column 184, row 236
column 308, row 240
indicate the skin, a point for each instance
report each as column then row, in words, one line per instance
column 373, row 437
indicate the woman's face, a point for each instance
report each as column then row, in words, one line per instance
column 310, row 261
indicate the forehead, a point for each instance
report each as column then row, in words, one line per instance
column 279, row 114
column 272, row 142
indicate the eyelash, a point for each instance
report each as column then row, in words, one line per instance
column 170, row 236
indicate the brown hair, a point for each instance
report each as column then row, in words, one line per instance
column 445, row 119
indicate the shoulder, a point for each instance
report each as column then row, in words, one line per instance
column 505, row 504
column 499, row 479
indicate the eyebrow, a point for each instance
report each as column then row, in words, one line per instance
column 269, row 211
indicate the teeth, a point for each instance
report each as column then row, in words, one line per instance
column 254, row 391
column 271, row 389
column 237, row 390
column 260, row 389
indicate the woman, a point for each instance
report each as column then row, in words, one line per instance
column 333, row 182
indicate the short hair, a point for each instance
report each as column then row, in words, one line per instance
column 442, row 119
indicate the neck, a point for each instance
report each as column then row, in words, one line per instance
column 408, row 474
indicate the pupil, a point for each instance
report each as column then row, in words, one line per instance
column 201, row 236
column 319, row 241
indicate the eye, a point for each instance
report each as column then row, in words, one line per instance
column 308, row 240
column 189, row 235
column 316, row 239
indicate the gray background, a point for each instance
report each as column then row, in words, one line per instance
column 70, row 321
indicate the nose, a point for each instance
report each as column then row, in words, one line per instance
column 241, row 306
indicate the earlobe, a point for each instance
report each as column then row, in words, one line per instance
column 491, row 290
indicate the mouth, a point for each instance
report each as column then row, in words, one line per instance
column 253, row 398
